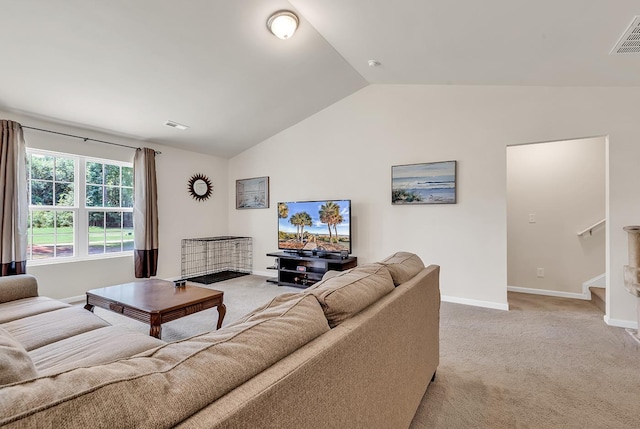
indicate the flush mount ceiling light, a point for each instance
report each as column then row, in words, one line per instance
column 283, row 24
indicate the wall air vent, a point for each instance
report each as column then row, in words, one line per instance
column 174, row 124
column 629, row 43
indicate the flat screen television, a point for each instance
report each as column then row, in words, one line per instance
column 315, row 226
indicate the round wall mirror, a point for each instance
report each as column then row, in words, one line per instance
column 200, row 187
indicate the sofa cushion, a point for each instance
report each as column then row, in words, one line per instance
column 350, row 292
column 46, row 328
column 277, row 306
column 403, row 266
column 26, row 307
column 13, row 288
column 99, row 346
column 162, row 387
column 15, row 364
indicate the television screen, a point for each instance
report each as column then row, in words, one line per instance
column 323, row 226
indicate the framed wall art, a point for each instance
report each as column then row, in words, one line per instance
column 428, row 183
column 252, row 193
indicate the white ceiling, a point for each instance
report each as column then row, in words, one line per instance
column 128, row 66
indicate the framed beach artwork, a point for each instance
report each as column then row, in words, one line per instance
column 428, row 183
column 252, row 193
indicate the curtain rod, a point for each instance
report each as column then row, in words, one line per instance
column 85, row 138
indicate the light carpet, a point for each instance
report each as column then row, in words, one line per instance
column 547, row 363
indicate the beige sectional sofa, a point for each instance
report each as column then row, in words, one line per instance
column 356, row 350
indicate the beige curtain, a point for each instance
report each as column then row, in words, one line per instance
column 14, row 207
column 145, row 213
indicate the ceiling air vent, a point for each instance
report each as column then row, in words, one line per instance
column 629, row 43
column 176, row 125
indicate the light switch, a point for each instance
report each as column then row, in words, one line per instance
column 532, row 218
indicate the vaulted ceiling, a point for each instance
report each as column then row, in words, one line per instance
column 126, row 67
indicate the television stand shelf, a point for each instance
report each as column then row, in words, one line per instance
column 303, row 271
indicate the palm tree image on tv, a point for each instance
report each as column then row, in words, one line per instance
column 330, row 214
column 314, row 225
column 300, row 220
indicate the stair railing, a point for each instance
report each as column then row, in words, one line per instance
column 591, row 228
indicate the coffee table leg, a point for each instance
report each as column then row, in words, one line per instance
column 222, row 310
column 89, row 307
column 156, row 328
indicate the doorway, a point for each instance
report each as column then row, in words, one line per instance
column 556, row 214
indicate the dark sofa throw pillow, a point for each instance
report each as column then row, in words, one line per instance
column 403, row 266
column 350, row 292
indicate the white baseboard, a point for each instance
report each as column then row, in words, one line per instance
column 631, row 324
column 475, row 302
column 555, row 293
column 75, row 299
column 272, row 273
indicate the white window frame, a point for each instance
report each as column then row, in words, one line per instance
column 79, row 209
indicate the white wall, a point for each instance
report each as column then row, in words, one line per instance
column 347, row 150
column 180, row 216
column 563, row 185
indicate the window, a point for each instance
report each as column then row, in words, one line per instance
column 109, row 199
column 78, row 206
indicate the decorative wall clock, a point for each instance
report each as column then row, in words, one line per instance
column 200, row 187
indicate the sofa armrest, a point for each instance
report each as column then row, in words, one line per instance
column 18, row 287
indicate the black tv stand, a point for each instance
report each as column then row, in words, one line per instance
column 302, row 270
column 295, row 252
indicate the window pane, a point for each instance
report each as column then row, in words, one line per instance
column 42, row 220
column 42, row 251
column 127, row 221
column 64, row 224
column 42, row 237
column 114, row 247
column 64, row 234
column 64, row 194
column 96, row 232
column 96, row 243
column 41, row 193
column 114, row 232
column 112, row 197
column 41, row 167
column 94, row 173
column 127, row 231
column 112, row 175
column 96, row 222
column 114, row 220
column 94, row 196
column 64, row 250
column 65, row 169
column 127, row 176
column 127, row 197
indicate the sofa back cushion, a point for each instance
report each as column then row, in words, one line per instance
column 350, row 292
column 403, row 266
column 277, row 306
column 162, row 387
column 15, row 363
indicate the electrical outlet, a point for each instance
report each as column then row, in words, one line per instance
column 540, row 272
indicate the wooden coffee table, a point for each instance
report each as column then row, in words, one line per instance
column 156, row 301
